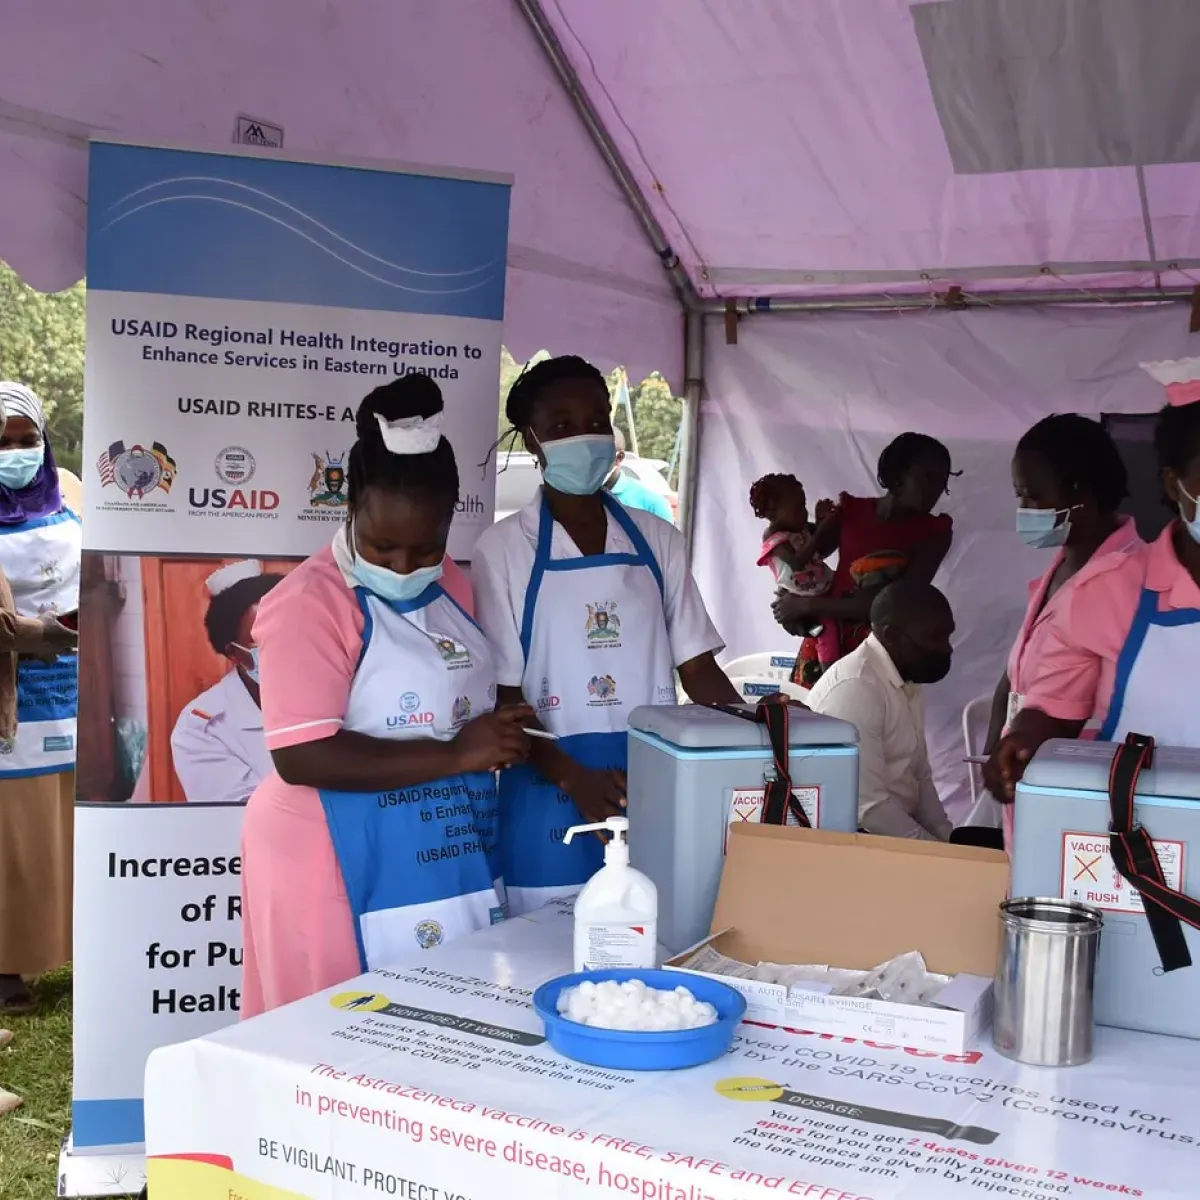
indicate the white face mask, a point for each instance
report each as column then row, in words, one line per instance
column 1192, row 526
column 252, row 670
column 391, row 585
column 1044, row 528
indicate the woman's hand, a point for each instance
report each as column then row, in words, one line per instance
column 795, row 613
column 1003, row 770
column 597, row 793
column 494, row 740
column 58, row 638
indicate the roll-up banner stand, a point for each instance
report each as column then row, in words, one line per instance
column 240, row 305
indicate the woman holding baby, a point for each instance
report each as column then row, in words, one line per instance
column 877, row 539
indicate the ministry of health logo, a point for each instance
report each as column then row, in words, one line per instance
column 327, row 484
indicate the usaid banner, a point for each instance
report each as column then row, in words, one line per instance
column 158, row 950
column 241, row 304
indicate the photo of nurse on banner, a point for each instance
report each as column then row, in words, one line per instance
column 170, row 670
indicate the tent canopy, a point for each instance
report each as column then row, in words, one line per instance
column 780, row 149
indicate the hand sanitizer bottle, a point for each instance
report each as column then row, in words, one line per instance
column 616, row 914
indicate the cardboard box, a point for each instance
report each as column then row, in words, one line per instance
column 805, row 896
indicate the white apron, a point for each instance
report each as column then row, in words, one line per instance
column 419, row 863
column 1155, row 691
column 41, row 560
column 594, row 635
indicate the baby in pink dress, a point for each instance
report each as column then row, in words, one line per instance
column 788, row 552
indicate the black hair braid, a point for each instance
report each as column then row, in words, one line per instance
column 903, row 453
column 518, row 408
column 1081, row 453
column 373, row 465
column 226, row 609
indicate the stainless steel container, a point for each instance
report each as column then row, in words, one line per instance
column 1044, row 982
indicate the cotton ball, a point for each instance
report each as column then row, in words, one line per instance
column 633, row 1007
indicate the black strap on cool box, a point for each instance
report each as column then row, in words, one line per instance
column 1135, row 858
column 778, row 798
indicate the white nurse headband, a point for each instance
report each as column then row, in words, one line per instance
column 224, row 578
column 411, row 435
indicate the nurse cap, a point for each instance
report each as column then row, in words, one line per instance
column 223, row 579
column 1180, row 377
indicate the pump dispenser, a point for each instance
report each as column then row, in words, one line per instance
column 616, row 914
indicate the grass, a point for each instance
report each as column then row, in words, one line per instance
column 37, row 1067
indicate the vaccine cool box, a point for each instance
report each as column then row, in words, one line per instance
column 1060, row 848
column 694, row 771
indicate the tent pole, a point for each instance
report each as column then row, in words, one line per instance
column 689, row 424
column 884, row 302
column 548, row 40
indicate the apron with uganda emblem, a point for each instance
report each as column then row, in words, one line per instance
column 419, row 863
column 41, row 559
column 594, row 636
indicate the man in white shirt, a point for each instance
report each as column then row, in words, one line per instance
column 877, row 689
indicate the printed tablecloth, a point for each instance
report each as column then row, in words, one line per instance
column 432, row 1081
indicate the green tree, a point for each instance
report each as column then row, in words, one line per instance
column 657, row 414
column 41, row 345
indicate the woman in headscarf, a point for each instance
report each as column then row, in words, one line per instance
column 40, row 553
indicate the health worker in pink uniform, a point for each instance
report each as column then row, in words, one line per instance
column 1124, row 654
column 378, row 694
column 1070, row 481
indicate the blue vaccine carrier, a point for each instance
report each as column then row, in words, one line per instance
column 694, row 771
column 1061, row 848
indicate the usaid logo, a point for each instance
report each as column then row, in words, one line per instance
column 410, row 713
column 235, row 465
column 546, row 701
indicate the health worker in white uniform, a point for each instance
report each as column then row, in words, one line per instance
column 375, row 835
column 41, row 556
column 217, row 746
column 590, row 609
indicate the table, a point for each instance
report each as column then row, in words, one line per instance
column 431, row 1081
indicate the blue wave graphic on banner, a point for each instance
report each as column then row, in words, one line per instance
column 192, row 223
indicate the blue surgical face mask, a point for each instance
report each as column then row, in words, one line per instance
column 18, row 467
column 250, row 672
column 1042, row 529
column 391, row 585
column 1192, row 526
column 579, row 466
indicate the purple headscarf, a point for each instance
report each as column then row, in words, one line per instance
column 41, row 497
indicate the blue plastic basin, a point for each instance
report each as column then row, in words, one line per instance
column 634, row 1050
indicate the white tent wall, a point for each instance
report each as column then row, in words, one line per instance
column 460, row 83
column 820, row 396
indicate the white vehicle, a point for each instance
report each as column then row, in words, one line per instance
column 518, row 479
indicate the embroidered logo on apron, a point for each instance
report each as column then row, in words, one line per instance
column 454, row 654
column 603, row 690
column 603, row 626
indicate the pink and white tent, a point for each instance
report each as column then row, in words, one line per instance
column 774, row 158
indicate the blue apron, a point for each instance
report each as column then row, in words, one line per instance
column 419, row 864
column 41, row 560
column 594, row 638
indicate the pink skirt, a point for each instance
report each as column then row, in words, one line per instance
column 297, row 929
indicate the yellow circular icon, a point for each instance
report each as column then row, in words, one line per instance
column 359, row 1001
column 749, row 1089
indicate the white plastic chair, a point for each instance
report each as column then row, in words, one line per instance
column 985, row 808
column 758, row 675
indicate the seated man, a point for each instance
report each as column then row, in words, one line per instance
column 876, row 688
